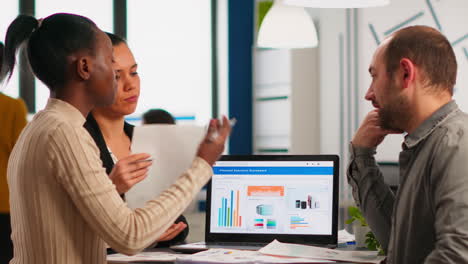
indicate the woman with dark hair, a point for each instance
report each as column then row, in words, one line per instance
column 113, row 135
column 64, row 207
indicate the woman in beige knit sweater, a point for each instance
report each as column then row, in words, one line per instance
column 64, row 207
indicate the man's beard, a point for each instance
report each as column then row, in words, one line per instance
column 395, row 115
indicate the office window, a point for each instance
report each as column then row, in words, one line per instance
column 8, row 12
column 171, row 41
column 101, row 12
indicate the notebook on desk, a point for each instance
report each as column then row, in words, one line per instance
column 254, row 199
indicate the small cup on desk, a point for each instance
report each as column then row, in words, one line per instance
column 360, row 233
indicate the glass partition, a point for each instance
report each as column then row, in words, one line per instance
column 171, row 41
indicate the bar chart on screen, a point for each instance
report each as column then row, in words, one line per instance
column 297, row 222
column 229, row 211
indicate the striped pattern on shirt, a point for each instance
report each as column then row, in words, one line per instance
column 63, row 204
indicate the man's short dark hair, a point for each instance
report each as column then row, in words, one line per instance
column 429, row 50
column 158, row 116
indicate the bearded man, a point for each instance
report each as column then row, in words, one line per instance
column 413, row 75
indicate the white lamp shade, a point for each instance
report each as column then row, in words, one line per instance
column 287, row 27
column 337, row 3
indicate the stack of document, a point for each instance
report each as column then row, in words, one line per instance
column 230, row 256
column 275, row 252
column 212, row 256
column 144, row 256
column 276, row 248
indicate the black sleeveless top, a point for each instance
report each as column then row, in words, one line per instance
column 93, row 128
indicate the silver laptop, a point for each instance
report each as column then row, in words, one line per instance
column 254, row 199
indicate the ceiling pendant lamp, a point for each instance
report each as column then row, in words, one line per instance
column 337, row 3
column 287, row 27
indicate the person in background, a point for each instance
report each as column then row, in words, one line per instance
column 158, row 116
column 12, row 120
column 413, row 75
column 113, row 135
column 64, row 207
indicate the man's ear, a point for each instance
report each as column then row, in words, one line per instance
column 84, row 68
column 408, row 72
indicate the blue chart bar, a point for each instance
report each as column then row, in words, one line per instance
column 298, row 222
column 219, row 218
column 222, row 212
column 225, row 212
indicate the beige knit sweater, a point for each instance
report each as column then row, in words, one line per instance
column 63, row 205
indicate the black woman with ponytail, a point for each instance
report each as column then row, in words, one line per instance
column 64, row 207
column 64, row 50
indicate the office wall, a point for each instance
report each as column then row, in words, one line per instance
column 337, row 87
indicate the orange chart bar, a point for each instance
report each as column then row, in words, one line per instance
column 298, row 226
column 237, row 208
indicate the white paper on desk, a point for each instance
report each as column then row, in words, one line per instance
column 344, row 236
column 294, row 250
column 172, row 148
column 144, row 256
column 231, row 256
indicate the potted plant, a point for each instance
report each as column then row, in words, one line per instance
column 364, row 236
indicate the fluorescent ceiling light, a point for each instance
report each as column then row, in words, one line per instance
column 287, row 27
column 337, row 3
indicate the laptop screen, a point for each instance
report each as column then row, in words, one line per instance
column 280, row 195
